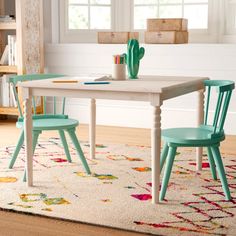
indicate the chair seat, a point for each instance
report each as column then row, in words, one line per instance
column 191, row 136
column 51, row 124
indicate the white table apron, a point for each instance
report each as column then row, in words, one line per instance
column 182, row 85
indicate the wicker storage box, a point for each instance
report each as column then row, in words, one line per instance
column 116, row 37
column 154, row 25
column 166, row 37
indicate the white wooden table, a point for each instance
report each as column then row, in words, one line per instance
column 152, row 89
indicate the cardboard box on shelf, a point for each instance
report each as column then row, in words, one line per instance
column 167, row 24
column 166, row 37
column 116, row 37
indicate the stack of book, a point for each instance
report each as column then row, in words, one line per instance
column 9, row 55
column 7, row 18
column 12, row 50
column 7, row 98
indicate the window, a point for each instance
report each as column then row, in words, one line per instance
column 196, row 11
column 89, row 14
column 81, row 19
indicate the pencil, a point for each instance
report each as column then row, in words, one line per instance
column 114, row 57
column 118, row 59
column 121, row 59
column 64, row 81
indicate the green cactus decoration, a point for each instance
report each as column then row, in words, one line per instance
column 132, row 58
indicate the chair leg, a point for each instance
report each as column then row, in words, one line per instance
column 17, row 150
column 164, row 154
column 35, row 141
column 65, row 145
column 166, row 177
column 212, row 163
column 79, row 150
column 24, row 177
column 220, row 168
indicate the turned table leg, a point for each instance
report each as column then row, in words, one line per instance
column 28, row 126
column 155, row 152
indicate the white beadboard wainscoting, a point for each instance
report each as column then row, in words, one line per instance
column 216, row 61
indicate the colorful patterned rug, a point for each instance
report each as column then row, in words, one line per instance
column 117, row 194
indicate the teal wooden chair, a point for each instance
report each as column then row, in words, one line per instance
column 208, row 135
column 45, row 122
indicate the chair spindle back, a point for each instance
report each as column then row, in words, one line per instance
column 21, row 78
column 224, row 89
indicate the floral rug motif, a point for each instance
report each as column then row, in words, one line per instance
column 118, row 192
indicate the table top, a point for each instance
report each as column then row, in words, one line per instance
column 145, row 84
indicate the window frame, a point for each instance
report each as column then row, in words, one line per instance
column 182, row 4
column 195, row 35
column 215, row 33
column 78, row 35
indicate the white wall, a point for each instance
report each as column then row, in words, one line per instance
column 216, row 61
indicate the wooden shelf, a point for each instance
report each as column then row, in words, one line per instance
column 7, row 25
column 25, row 46
column 8, row 69
column 9, row 111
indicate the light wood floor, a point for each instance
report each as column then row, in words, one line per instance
column 14, row 224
